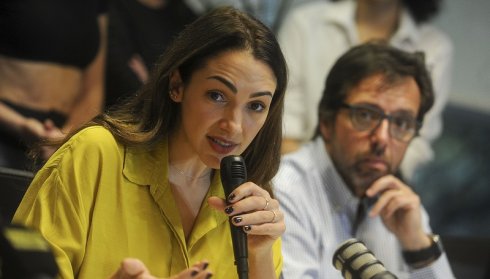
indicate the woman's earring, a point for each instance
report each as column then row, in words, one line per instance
column 172, row 95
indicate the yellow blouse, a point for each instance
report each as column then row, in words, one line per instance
column 97, row 202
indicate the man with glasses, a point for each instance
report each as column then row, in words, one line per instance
column 343, row 183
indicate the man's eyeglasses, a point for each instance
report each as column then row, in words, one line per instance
column 402, row 126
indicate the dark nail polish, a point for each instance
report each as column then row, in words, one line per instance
column 231, row 197
column 229, row 210
column 205, row 266
column 247, row 228
column 237, row 219
column 194, row 273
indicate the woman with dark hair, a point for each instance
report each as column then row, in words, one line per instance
column 141, row 180
column 314, row 35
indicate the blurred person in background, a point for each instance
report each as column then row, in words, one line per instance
column 315, row 34
column 270, row 12
column 342, row 184
column 52, row 56
column 138, row 33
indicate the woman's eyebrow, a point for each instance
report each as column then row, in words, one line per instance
column 258, row 94
column 235, row 90
column 225, row 82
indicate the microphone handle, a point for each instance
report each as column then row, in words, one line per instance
column 240, row 249
column 233, row 174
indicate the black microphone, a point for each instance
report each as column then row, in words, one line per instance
column 233, row 174
column 25, row 254
column 356, row 261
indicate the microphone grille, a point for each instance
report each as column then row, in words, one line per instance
column 233, row 172
column 238, row 170
column 355, row 260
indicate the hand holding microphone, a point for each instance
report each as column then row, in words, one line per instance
column 254, row 215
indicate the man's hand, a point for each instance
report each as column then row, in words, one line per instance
column 400, row 209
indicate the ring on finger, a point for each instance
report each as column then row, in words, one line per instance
column 266, row 203
column 274, row 217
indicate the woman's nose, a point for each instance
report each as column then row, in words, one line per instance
column 232, row 121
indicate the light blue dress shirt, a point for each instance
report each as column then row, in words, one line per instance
column 319, row 214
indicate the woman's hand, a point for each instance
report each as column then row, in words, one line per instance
column 135, row 269
column 253, row 209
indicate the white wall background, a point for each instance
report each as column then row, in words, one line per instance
column 467, row 22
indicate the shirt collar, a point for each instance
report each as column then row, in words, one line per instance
column 149, row 166
column 337, row 191
column 146, row 165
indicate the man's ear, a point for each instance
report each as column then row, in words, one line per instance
column 326, row 129
column 176, row 86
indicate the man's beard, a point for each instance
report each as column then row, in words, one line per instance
column 358, row 179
